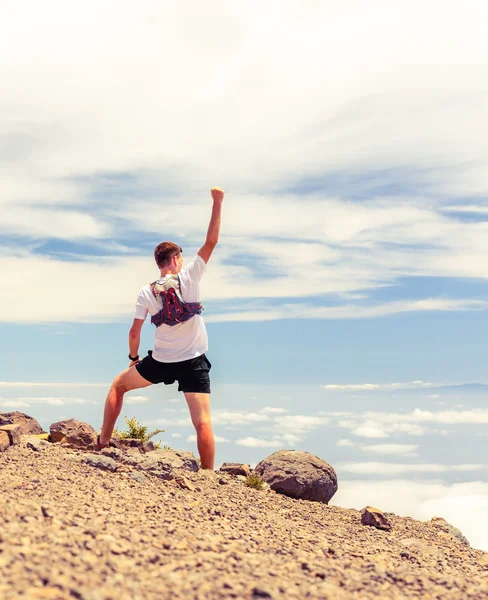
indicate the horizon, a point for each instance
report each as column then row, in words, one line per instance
column 346, row 301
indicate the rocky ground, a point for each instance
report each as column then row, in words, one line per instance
column 72, row 530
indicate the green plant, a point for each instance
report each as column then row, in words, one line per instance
column 254, row 481
column 137, row 431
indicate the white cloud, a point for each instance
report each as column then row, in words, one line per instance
column 136, row 399
column 346, row 443
column 176, row 435
column 268, row 410
column 31, row 384
column 237, row 417
column 464, row 505
column 253, row 442
column 49, row 400
column 218, row 439
column 370, row 429
column 299, row 423
column 407, row 449
column 348, row 311
column 398, row 469
column 15, row 404
column 382, row 424
column 379, row 386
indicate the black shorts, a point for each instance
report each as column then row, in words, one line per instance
column 192, row 375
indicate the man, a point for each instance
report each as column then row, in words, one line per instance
column 173, row 301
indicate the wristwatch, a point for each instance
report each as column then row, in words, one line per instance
column 134, row 357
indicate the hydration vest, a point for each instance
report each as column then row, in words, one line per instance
column 174, row 309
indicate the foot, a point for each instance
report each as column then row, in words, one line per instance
column 99, row 445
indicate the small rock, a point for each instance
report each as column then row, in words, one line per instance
column 235, row 469
column 128, row 444
column 258, row 592
column 374, row 517
column 138, row 476
column 4, row 441
column 100, row 462
column 114, row 453
column 184, row 484
column 14, row 433
column 37, row 445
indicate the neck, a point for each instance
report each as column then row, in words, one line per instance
column 164, row 272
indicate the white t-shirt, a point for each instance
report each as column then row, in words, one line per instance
column 185, row 340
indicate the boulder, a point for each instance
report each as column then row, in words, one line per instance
column 299, row 475
column 4, row 441
column 235, row 469
column 27, row 424
column 73, row 433
column 14, row 433
column 374, row 517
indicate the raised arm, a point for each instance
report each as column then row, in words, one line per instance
column 214, row 226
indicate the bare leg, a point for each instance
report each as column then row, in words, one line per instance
column 126, row 381
column 199, row 405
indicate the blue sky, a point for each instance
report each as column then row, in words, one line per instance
column 346, row 301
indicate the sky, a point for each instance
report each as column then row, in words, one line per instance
column 346, row 301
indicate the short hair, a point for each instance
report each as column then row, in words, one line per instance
column 164, row 251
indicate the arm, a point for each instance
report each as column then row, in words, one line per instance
column 135, row 338
column 214, row 226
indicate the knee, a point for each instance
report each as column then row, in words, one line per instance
column 118, row 384
column 203, row 426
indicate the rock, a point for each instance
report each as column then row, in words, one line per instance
column 27, row 424
column 100, row 462
column 184, row 484
column 162, row 461
column 235, row 469
column 14, row 433
column 127, row 443
column 36, row 444
column 446, row 527
column 138, row 476
column 299, row 475
column 73, row 433
column 375, row 518
column 114, row 453
column 4, row 441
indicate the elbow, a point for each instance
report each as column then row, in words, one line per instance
column 212, row 242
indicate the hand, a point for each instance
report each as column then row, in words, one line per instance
column 134, row 362
column 217, row 194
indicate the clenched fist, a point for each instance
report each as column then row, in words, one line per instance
column 217, row 194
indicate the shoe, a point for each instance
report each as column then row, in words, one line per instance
column 100, row 446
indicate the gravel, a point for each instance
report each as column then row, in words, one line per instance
column 72, row 527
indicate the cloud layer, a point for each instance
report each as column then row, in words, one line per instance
column 347, row 172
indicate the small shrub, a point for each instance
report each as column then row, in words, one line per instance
column 137, row 431
column 254, row 481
